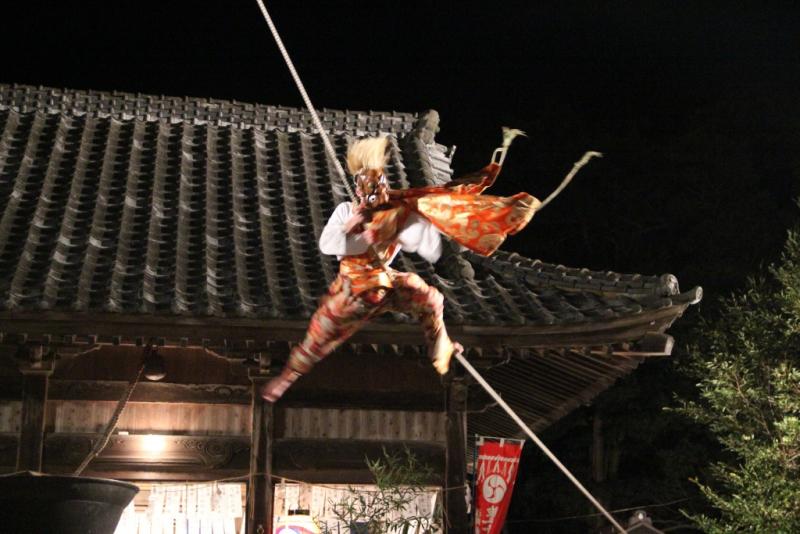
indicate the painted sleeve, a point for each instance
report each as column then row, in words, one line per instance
column 420, row 236
column 335, row 241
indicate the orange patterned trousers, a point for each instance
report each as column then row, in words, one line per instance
column 339, row 316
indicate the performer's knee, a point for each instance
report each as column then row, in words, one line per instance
column 301, row 360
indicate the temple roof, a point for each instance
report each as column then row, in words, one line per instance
column 140, row 211
column 134, row 204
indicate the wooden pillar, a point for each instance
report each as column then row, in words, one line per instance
column 455, row 505
column 598, row 449
column 35, row 378
column 602, row 465
column 260, row 488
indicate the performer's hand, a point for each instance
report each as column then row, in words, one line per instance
column 344, row 303
column 356, row 221
column 370, row 236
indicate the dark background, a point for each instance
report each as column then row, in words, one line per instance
column 694, row 104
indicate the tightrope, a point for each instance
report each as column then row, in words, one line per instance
column 463, row 361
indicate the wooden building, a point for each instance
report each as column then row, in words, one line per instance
column 191, row 224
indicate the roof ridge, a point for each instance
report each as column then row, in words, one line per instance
column 537, row 272
column 26, row 98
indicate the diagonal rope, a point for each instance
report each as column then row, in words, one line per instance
column 326, row 142
column 459, row 357
column 463, row 361
column 112, row 423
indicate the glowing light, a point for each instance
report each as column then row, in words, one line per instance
column 154, row 444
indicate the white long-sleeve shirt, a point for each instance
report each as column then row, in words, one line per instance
column 416, row 235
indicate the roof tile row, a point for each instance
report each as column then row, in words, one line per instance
column 106, row 213
column 128, row 106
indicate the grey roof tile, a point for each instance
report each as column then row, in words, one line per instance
column 142, row 204
column 127, row 106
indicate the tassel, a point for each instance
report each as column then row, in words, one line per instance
column 568, row 178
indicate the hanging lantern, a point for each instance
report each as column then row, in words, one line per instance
column 154, row 368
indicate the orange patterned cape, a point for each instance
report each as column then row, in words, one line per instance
column 460, row 211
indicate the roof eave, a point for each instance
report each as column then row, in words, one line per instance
column 104, row 327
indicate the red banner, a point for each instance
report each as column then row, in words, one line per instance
column 495, row 473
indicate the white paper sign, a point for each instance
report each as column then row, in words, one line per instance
column 204, row 500
column 292, row 496
column 232, row 500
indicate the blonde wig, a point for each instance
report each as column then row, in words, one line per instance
column 369, row 153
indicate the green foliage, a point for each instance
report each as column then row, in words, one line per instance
column 400, row 479
column 747, row 364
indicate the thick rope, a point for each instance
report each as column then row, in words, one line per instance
column 463, row 361
column 314, row 117
column 459, row 357
column 112, row 424
column 318, row 124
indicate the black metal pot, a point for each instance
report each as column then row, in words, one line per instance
column 35, row 502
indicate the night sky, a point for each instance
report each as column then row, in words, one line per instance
column 695, row 104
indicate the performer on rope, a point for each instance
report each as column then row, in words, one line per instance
column 457, row 216
column 367, row 235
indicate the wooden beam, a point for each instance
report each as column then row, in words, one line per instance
column 34, row 402
column 455, row 506
column 260, row 489
column 111, row 390
column 416, row 401
column 344, row 461
column 226, row 332
column 164, row 453
column 332, row 476
column 654, row 344
column 297, row 397
column 231, row 475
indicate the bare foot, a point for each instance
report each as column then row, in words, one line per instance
column 442, row 355
column 275, row 388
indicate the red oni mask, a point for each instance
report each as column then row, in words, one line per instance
column 372, row 188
